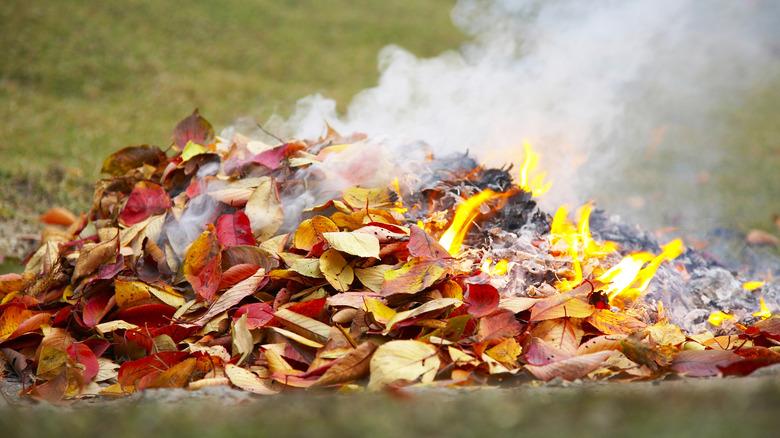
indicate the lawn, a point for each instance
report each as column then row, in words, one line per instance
column 82, row 78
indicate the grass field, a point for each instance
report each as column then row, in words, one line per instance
column 83, row 78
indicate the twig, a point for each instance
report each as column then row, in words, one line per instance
column 267, row 132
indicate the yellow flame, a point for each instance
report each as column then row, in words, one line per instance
column 763, row 311
column 532, row 181
column 579, row 243
column 752, row 285
column 399, row 204
column 467, row 211
column 632, row 275
column 717, row 318
column 499, row 269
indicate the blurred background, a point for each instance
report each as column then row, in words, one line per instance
column 82, row 78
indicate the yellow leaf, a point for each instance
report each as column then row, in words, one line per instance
column 296, row 337
column 403, row 360
column 248, row 381
column 412, row 277
column 665, row 333
column 564, row 333
column 379, row 310
column 310, row 231
column 358, row 244
column 460, row 357
column 372, row 277
column 302, row 265
column 506, row 352
column 192, row 149
column 130, row 293
column 177, row 376
column 336, row 270
column 110, row 326
column 264, row 209
column 243, row 343
column 360, row 198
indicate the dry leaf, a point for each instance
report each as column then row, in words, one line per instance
column 248, row 381
column 352, row 366
column 357, row 244
column 336, row 270
column 264, row 209
column 403, row 360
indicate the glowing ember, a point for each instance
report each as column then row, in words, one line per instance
column 467, row 211
column 531, row 180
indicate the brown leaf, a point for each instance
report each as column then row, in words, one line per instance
column 90, row 259
column 561, row 306
column 177, row 376
column 422, row 245
column 572, row 368
column 564, row 333
column 761, row 237
column 58, row 216
column 193, row 128
column 612, row 323
column 132, row 157
column 703, row 363
column 352, row 366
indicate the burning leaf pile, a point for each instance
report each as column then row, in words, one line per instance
column 196, row 267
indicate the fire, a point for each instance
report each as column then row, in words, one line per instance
column 752, row 285
column 763, row 310
column 499, row 269
column 467, row 211
column 578, row 241
column 632, row 275
column 717, row 318
column 532, row 181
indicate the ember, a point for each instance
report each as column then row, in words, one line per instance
column 230, row 262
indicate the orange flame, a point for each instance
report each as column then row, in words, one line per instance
column 532, row 181
column 763, row 310
column 467, row 211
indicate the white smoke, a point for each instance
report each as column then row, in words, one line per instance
column 589, row 83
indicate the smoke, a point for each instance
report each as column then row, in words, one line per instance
column 597, row 87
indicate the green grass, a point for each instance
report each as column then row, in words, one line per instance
column 82, row 78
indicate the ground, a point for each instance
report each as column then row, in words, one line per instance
column 713, row 408
column 81, row 78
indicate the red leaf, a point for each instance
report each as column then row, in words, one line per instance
column 482, row 299
column 312, row 308
column 193, row 128
column 146, row 199
column 152, row 315
column 82, row 354
column 703, row 363
column 257, row 314
column 752, row 359
column 501, row 324
column 272, row 158
column 96, row 308
column 133, row 371
column 202, row 264
column 422, row 245
column 234, row 229
column 236, row 274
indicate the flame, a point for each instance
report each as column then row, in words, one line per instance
column 717, row 318
column 763, row 311
column 467, row 211
column 632, row 275
column 399, row 204
column 578, row 241
column 532, row 181
column 499, row 269
column 752, row 285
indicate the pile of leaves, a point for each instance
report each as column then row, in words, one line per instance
column 356, row 295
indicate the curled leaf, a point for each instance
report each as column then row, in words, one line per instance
column 403, row 360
